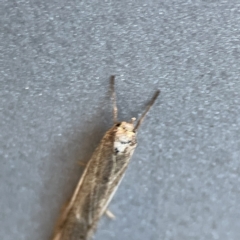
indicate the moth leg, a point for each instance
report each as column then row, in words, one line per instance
column 82, row 164
column 110, row 214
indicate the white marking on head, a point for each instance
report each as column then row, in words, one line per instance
column 124, row 137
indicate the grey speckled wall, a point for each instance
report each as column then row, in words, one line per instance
column 56, row 59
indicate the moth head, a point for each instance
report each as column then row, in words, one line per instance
column 125, row 137
column 126, row 126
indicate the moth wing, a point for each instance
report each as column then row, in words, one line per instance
column 94, row 191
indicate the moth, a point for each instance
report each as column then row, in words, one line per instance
column 101, row 177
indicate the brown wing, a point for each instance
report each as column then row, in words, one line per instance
column 94, row 191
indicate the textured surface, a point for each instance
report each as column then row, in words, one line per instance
column 56, row 59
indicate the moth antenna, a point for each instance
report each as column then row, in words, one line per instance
column 139, row 123
column 114, row 101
